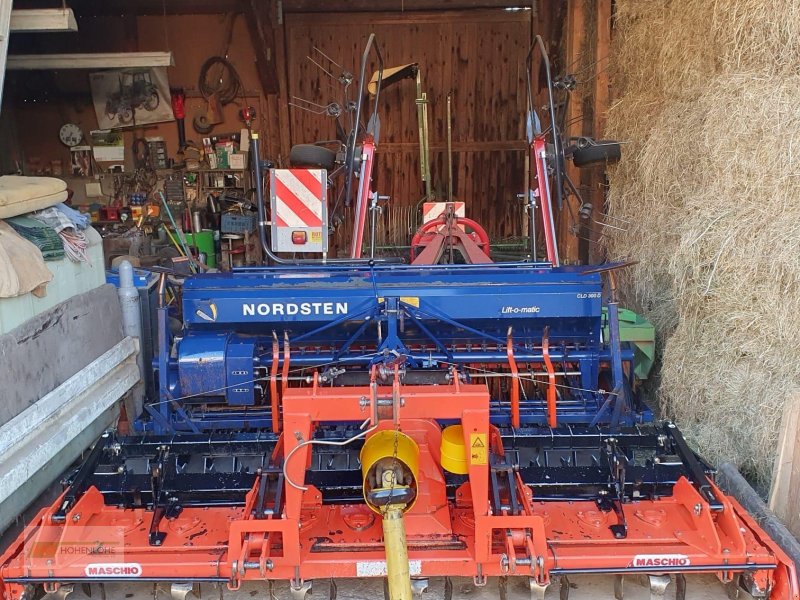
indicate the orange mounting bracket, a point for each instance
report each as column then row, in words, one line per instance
column 552, row 418
column 286, row 361
column 273, row 385
column 512, row 364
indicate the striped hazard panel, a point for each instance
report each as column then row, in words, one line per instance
column 298, row 197
column 434, row 210
column 299, row 210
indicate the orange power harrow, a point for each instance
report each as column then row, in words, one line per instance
column 297, row 506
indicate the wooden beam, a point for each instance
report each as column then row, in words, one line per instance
column 38, row 20
column 462, row 146
column 102, row 60
column 786, row 475
column 262, row 35
column 284, row 121
column 602, row 102
column 307, row 6
column 97, row 8
column 602, row 79
column 576, row 37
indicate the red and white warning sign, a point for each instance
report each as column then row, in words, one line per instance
column 299, row 200
column 434, row 210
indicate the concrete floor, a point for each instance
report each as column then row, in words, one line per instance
column 586, row 587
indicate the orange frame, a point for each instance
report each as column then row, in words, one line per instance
column 311, row 540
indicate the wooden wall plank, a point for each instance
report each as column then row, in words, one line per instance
column 575, row 41
column 325, row 6
column 476, row 55
column 602, row 55
column 786, row 477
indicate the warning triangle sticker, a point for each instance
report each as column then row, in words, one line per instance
column 478, row 443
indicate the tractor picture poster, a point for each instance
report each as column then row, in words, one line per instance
column 127, row 97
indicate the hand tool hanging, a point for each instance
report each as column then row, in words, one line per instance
column 219, row 84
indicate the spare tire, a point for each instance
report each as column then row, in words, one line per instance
column 589, row 152
column 309, row 155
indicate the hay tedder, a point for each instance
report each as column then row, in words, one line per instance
column 337, row 418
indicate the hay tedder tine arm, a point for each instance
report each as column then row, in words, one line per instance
column 699, row 478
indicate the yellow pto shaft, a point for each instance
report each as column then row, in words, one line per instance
column 394, row 539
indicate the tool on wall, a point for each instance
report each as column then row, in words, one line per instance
column 179, row 110
column 218, row 83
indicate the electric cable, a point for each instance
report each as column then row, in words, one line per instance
column 312, row 441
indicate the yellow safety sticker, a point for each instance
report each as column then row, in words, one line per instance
column 316, row 236
column 412, row 300
column 478, row 451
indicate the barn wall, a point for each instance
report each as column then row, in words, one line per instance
column 476, row 56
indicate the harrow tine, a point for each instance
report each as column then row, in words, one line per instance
column 680, row 586
column 658, row 586
column 502, row 586
column 563, row 593
column 619, row 587
column 181, row 590
column 61, row 593
column 333, row 590
column 735, row 591
column 448, row 588
column 419, row 587
column 538, row 590
column 301, row 591
column 86, row 588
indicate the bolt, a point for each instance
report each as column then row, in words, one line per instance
column 698, row 508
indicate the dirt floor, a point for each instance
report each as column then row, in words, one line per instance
column 699, row 587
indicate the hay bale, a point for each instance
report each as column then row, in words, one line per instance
column 710, row 182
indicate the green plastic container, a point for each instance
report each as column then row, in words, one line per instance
column 204, row 243
column 641, row 334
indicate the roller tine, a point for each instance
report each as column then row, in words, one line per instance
column 448, row 588
column 502, row 586
column 333, row 590
column 563, row 593
column 680, row 586
column 619, row 587
column 658, row 586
